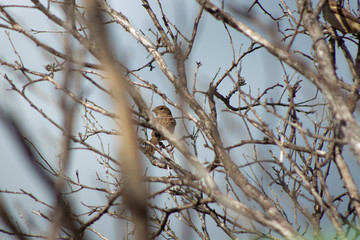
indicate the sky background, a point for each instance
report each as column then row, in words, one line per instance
column 260, row 71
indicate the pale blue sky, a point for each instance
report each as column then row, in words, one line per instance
column 212, row 49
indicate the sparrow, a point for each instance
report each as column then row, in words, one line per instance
column 165, row 118
column 340, row 18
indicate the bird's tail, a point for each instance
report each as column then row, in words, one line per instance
column 150, row 149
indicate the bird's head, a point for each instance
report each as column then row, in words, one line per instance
column 161, row 111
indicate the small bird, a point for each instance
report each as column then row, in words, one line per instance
column 340, row 18
column 165, row 118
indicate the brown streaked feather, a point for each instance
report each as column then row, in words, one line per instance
column 340, row 18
